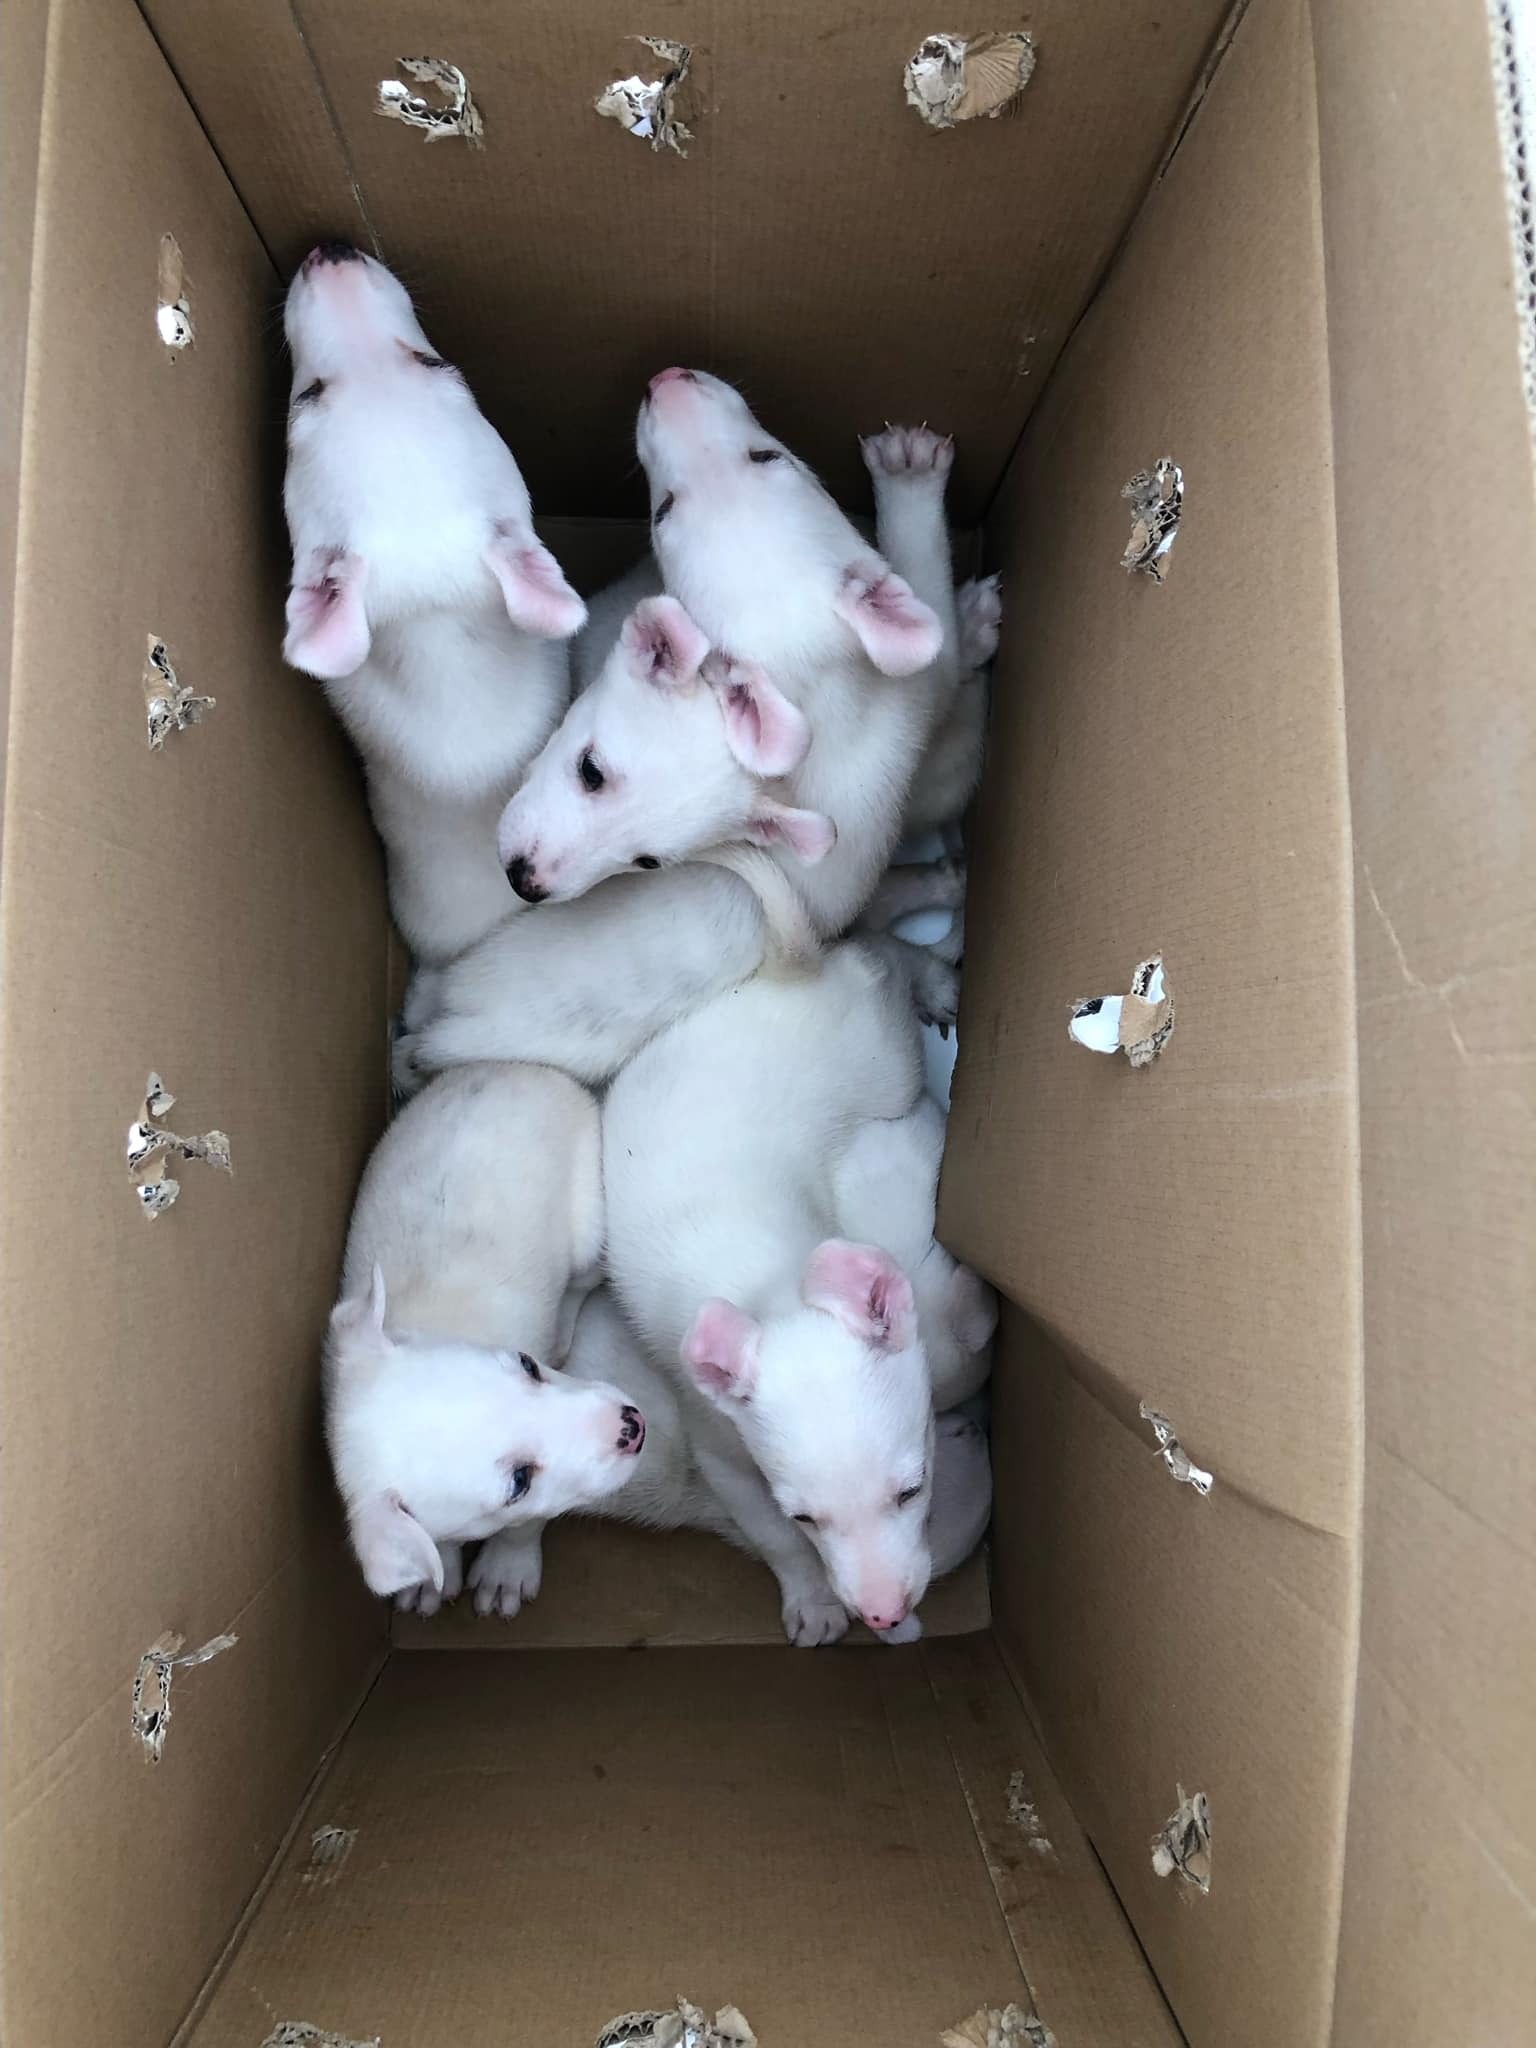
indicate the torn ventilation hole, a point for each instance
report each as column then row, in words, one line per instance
column 1157, row 503
column 1173, row 1453
column 681, row 2026
column 329, row 1848
column 1512, row 30
column 169, row 705
column 173, row 313
column 649, row 107
column 1182, row 1845
column 151, row 1712
column 1139, row 1023
column 151, row 1148
column 300, row 2034
column 457, row 113
column 950, row 79
column 991, row 2027
column 1024, row 1815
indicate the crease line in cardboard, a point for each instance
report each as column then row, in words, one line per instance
column 338, row 134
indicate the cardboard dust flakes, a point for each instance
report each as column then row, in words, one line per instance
column 150, row 1717
column 684, row 2026
column 950, row 79
column 1157, row 504
column 300, row 2034
column 1011, row 2027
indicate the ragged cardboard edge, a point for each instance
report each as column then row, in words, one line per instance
column 1173, row 1453
column 150, row 1712
column 1182, row 1845
column 151, row 1147
column 1024, row 1815
column 170, row 706
column 173, row 309
column 682, row 2026
column 1514, row 80
column 1139, row 1023
column 300, row 2034
column 649, row 107
column 329, row 1848
column 458, row 115
column 950, row 79
column 1157, row 505
column 992, row 2027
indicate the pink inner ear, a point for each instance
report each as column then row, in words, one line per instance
column 865, row 1289
column 720, row 1350
column 806, row 833
column 767, row 734
column 328, row 633
column 898, row 632
column 663, row 644
column 533, row 586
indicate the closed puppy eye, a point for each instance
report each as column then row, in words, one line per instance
column 809, row 1520
column 427, row 362
column 764, row 455
column 530, row 1366
column 310, row 392
column 518, row 1483
column 662, row 509
column 646, row 860
column 592, row 777
column 908, row 1494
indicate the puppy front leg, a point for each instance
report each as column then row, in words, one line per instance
column 509, row 1570
column 425, row 1599
column 812, row 1612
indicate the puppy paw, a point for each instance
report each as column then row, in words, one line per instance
column 813, row 1619
column 911, row 454
column 426, row 1599
column 908, row 1631
column 935, row 989
column 507, row 1572
column 979, row 609
column 406, row 1074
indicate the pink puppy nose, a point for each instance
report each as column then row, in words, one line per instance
column 672, row 376
column 888, row 1617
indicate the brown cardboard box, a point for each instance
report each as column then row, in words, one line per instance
column 1279, row 251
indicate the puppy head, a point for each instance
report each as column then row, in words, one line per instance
column 832, row 1399
column 437, row 1441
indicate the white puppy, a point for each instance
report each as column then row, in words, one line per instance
column 831, row 665
column 807, row 1386
column 420, row 598
column 476, row 1233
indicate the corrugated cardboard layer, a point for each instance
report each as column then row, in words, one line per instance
column 1166, row 773
column 544, row 1842
column 215, row 913
column 818, row 241
column 1437, row 554
column 605, row 1584
column 1167, row 1640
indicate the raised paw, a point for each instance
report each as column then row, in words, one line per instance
column 979, row 610
column 813, row 1619
column 935, row 988
column 915, row 453
column 908, row 1631
column 508, row 1571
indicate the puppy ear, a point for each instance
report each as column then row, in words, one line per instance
column 393, row 1548
column 662, row 645
column 896, row 629
column 362, row 1315
column 767, row 734
column 721, row 1352
column 328, row 634
column 865, row 1289
column 533, row 585
column 806, row 833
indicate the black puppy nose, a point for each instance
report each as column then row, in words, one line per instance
column 335, row 252
column 520, row 875
column 632, row 1435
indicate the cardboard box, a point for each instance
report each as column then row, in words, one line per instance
column 1278, row 250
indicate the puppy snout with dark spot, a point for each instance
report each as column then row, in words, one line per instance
column 632, row 1429
column 332, row 252
column 520, row 875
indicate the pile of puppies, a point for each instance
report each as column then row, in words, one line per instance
column 714, row 1298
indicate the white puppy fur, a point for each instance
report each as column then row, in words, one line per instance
column 737, row 1161
column 476, row 1233
column 421, row 597
column 801, row 731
